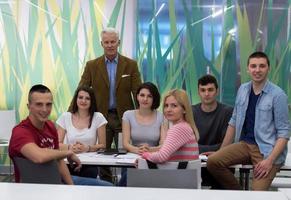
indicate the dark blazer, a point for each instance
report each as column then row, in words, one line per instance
column 127, row 82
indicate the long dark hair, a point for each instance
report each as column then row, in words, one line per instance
column 92, row 107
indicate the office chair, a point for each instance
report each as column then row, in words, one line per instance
column 185, row 175
column 7, row 122
column 30, row 172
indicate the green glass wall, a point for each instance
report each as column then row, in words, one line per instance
column 178, row 41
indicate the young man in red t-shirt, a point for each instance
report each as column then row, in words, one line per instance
column 36, row 139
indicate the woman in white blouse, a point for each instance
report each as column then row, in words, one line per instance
column 83, row 129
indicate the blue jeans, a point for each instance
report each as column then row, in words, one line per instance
column 123, row 179
column 78, row 180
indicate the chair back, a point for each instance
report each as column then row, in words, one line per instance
column 185, row 175
column 30, row 172
column 289, row 146
column 7, row 122
column 120, row 143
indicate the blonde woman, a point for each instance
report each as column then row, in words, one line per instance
column 181, row 139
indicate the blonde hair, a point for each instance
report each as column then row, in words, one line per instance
column 183, row 99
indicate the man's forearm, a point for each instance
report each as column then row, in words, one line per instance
column 41, row 155
column 65, row 173
column 52, row 154
column 278, row 148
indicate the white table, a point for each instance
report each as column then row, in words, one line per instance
column 286, row 192
column 92, row 158
column 14, row 191
column 128, row 160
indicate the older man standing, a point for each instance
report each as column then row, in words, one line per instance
column 114, row 79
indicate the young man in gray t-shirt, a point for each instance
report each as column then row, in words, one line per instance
column 211, row 118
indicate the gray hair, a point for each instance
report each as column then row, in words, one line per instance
column 109, row 30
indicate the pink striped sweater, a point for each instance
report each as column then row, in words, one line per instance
column 180, row 145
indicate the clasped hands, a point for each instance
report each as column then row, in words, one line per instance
column 144, row 147
column 79, row 147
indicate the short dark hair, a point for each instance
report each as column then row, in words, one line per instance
column 206, row 79
column 38, row 88
column 92, row 108
column 154, row 92
column 259, row 54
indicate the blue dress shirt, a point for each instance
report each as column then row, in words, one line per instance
column 111, row 69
